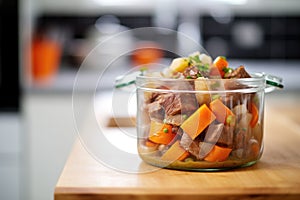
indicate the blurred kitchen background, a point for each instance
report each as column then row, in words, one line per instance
column 45, row 42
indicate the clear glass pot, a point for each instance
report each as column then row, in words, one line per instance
column 201, row 124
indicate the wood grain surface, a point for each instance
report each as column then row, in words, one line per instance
column 275, row 176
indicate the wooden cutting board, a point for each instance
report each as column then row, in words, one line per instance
column 275, row 176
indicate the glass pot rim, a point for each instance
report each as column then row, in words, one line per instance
column 258, row 82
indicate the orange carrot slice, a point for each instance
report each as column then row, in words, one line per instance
column 184, row 156
column 198, row 121
column 218, row 154
column 175, row 152
column 148, row 143
column 220, row 110
column 220, row 62
column 164, row 136
column 255, row 115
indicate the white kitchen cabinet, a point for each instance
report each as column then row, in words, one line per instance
column 10, row 131
column 49, row 134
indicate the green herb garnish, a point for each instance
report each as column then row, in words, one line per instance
column 203, row 68
column 194, row 59
column 227, row 70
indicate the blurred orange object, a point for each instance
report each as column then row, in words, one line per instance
column 45, row 58
column 146, row 53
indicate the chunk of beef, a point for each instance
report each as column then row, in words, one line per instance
column 190, row 145
column 213, row 133
column 239, row 72
column 170, row 104
column 189, row 103
column 156, row 111
column 193, row 72
column 226, row 138
column 151, row 96
column 195, row 147
column 205, row 148
column 174, row 104
column 235, row 98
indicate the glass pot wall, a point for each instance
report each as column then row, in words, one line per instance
column 201, row 124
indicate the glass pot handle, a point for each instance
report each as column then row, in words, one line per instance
column 127, row 82
column 272, row 83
